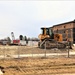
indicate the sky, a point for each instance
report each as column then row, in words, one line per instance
column 27, row 17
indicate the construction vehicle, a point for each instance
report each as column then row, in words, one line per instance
column 14, row 41
column 50, row 40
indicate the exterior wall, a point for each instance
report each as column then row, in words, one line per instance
column 74, row 33
column 66, row 29
column 63, row 26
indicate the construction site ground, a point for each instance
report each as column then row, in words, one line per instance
column 28, row 50
column 36, row 65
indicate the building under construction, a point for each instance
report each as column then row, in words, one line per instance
column 67, row 30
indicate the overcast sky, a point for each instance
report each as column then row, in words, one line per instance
column 27, row 17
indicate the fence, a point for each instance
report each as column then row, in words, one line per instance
column 32, row 50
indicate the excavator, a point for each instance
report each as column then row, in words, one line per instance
column 48, row 39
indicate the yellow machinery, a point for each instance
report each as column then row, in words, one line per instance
column 52, row 40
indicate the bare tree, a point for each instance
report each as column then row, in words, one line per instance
column 21, row 37
column 9, row 40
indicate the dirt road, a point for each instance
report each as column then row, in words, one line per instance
column 37, row 55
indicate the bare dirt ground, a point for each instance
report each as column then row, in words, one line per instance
column 35, row 66
column 38, row 66
column 27, row 50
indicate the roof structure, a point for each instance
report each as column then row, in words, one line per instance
column 64, row 23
